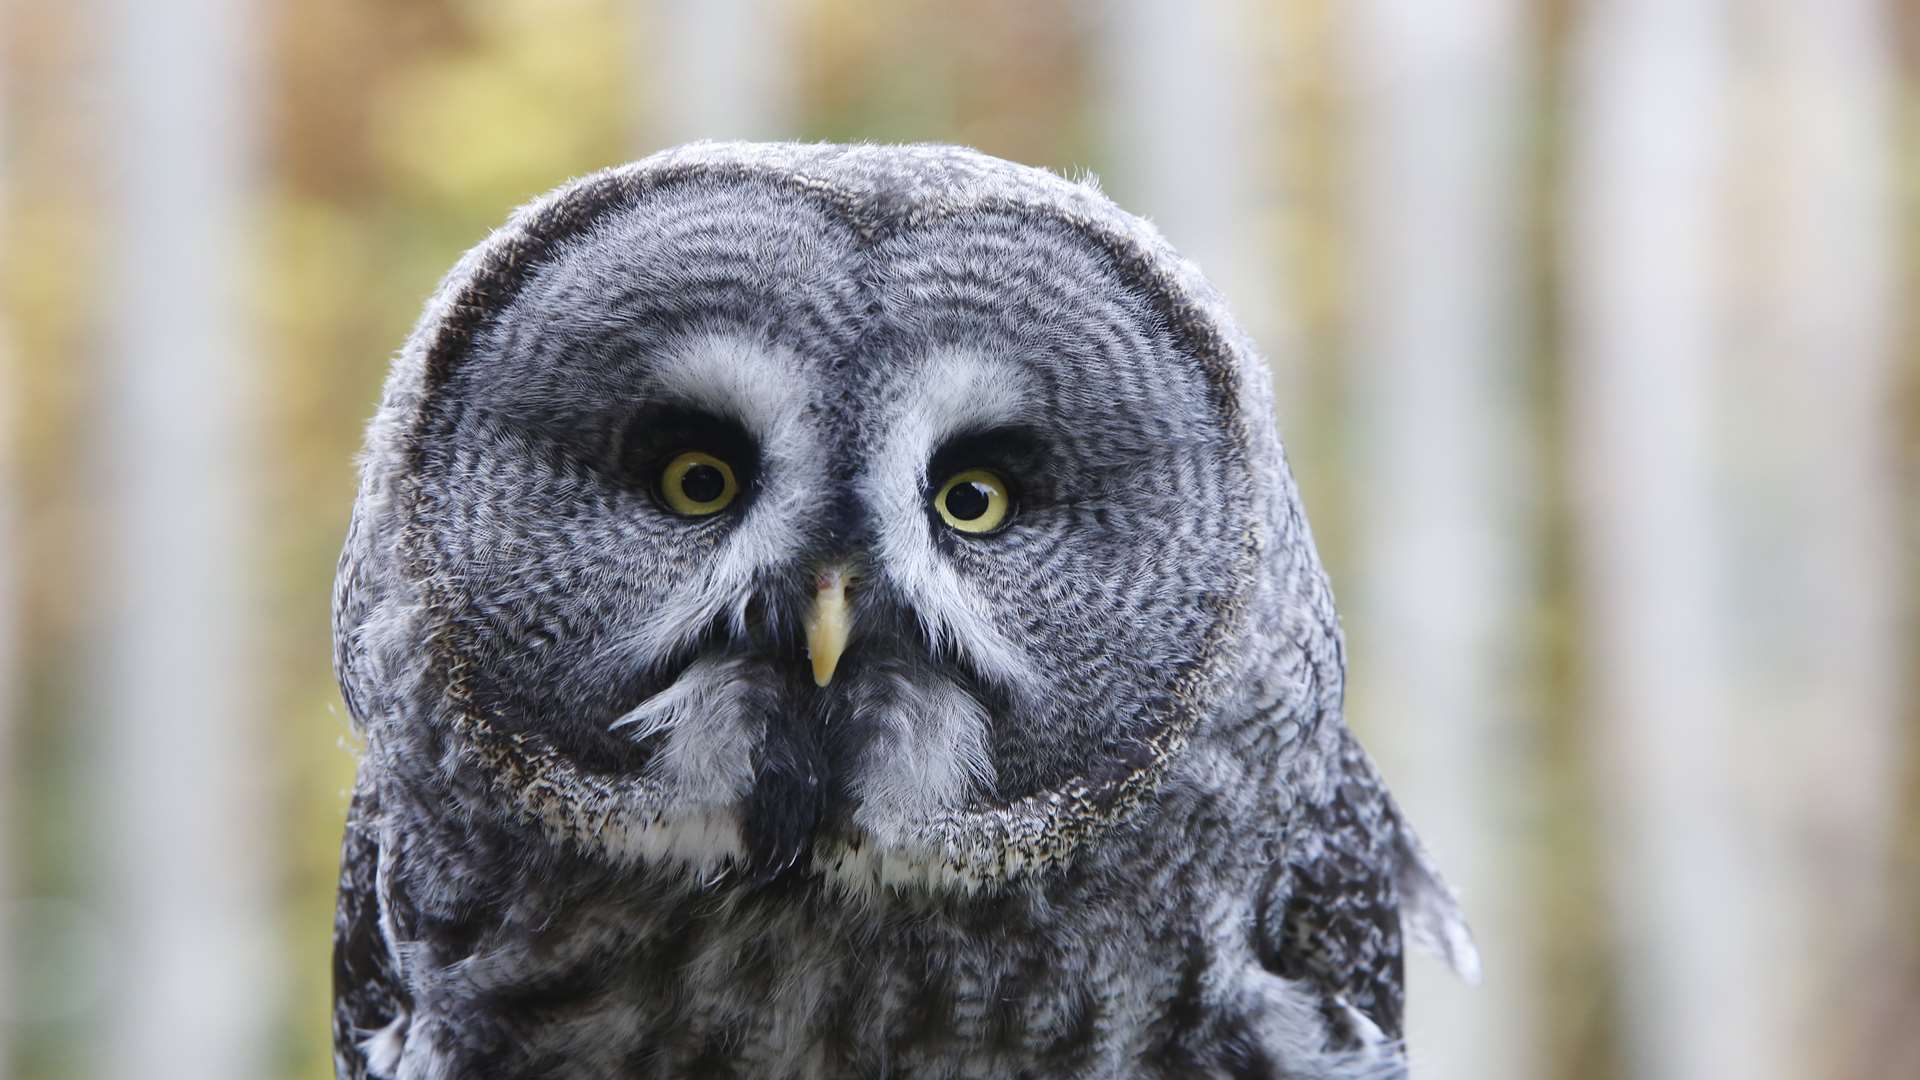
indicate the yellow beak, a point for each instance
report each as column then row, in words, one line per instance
column 827, row 622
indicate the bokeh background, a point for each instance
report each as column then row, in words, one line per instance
column 1597, row 359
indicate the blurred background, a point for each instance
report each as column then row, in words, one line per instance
column 1591, row 321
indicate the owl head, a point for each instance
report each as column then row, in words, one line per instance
column 887, row 515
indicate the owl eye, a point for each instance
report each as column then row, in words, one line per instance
column 697, row 484
column 974, row 501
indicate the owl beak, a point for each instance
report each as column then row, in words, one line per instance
column 827, row 621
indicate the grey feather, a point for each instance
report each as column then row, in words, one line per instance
column 1079, row 801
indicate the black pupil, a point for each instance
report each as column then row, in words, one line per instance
column 968, row 501
column 703, row 483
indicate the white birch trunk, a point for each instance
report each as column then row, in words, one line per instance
column 1813, row 467
column 181, row 787
column 1188, row 131
column 713, row 69
column 1646, row 185
column 1441, row 464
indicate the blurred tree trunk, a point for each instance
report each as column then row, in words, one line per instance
column 181, row 787
column 11, row 616
column 1646, row 176
column 1441, row 462
column 10, row 696
column 1823, row 657
column 1188, row 125
column 712, row 69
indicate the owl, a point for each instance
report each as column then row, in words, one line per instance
column 843, row 611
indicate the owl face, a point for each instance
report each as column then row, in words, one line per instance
column 814, row 542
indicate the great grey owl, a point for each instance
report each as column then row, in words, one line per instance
column 825, row 611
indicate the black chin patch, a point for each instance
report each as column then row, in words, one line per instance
column 784, row 807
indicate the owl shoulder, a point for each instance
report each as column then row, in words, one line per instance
column 1354, row 884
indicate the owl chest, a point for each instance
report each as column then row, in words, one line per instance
column 683, row 992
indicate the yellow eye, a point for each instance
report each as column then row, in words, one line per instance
column 974, row 501
column 697, row 484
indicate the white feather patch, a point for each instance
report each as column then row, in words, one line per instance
column 384, row 1047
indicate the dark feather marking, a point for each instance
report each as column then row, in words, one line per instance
column 1079, row 1029
column 1183, row 1017
column 551, row 994
column 368, row 992
column 1241, row 1054
column 1008, row 1006
column 929, row 1014
column 718, row 1056
column 839, row 1027
column 1331, row 916
column 783, row 809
